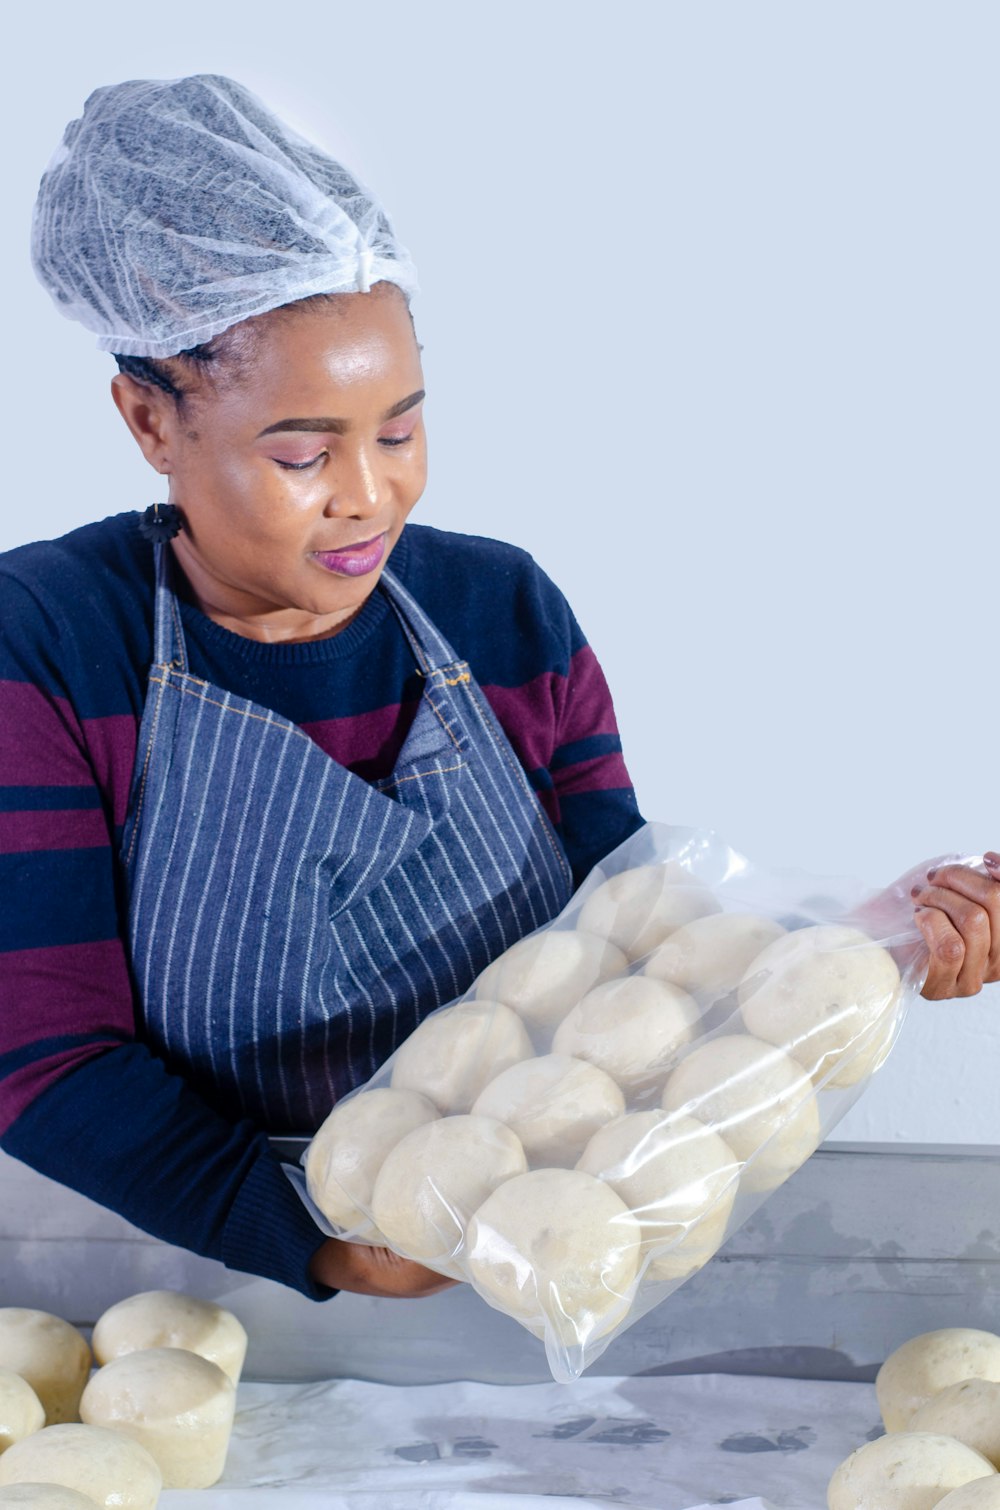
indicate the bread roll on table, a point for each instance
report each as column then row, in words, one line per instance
column 904, row 1471
column 21, row 1411
column 50, row 1354
column 111, row 1470
column 167, row 1318
column 928, row 1364
column 174, row 1403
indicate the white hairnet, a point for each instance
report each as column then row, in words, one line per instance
column 176, row 207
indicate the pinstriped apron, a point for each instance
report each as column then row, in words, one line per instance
column 291, row 923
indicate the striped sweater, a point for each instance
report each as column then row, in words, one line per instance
column 82, row 1097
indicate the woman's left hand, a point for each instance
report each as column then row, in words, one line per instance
column 958, row 913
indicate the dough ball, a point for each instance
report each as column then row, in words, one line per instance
column 432, row 1182
column 637, row 909
column 111, row 1470
column 630, row 1028
column 457, row 1051
column 554, row 1104
column 820, row 993
column 556, row 1245
column 166, row 1318
column 981, row 1494
column 677, row 1177
column 904, row 1471
column 347, row 1153
column 45, row 1497
column 930, row 1363
column 710, row 956
column 969, row 1411
column 21, row 1411
column 50, row 1354
column 175, row 1404
column 543, row 976
column 757, row 1098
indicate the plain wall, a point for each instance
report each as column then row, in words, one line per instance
column 709, row 308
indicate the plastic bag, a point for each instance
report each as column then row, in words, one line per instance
column 613, row 1097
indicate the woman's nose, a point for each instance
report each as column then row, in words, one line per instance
column 360, row 489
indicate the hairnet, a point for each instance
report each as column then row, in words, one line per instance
column 176, row 207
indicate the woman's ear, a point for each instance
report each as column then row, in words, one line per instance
column 150, row 414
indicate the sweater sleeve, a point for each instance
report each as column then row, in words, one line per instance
column 552, row 698
column 82, row 1099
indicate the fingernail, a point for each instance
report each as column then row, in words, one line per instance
column 932, row 873
column 915, row 891
column 992, row 860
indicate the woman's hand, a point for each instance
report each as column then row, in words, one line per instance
column 958, row 913
column 374, row 1271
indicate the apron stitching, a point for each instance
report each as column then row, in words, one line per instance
column 522, row 777
column 228, row 708
column 145, row 772
column 440, row 770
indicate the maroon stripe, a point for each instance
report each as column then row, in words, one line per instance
column 26, row 1084
column 528, row 716
column 587, row 707
column 112, row 743
column 601, row 774
column 40, row 739
column 552, row 710
column 67, row 988
column 21, row 832
column 366, row 743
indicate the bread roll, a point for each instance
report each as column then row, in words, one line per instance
column 710, row 956
column 554, row 1104
column 111, row 1470
column 969, row 1411
column 637, row 909
column 45, row 1497
column 543, row 976
column 821, row 993
column 347, row 1152
column 630, row 1028
column 556, row 1246
column 456, row 1051
column 50, row 1354
column 166, row 1318
column 981, row 1494
column 175, row 1404
column 433, row 1181
column 904, row 1471
column 756, row 1098
column 930, row 1363
column 21, row 1411
column 677, row 1177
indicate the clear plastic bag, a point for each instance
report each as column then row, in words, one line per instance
column 616, row 1093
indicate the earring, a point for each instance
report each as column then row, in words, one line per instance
column 161, row 522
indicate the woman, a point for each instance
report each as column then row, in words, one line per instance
column 274, row 798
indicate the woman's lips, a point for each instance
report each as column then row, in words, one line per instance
column 353, row 560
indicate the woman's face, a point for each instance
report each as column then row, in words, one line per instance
column 296, row 475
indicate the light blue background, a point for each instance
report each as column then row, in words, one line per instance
column 711, row 327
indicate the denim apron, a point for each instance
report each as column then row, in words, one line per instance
column 290, row 923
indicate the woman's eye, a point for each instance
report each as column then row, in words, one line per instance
column 395, row 440
column 298, row 466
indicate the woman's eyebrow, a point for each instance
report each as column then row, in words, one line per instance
column 339, row 426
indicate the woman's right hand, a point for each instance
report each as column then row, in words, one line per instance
column 373, row 1271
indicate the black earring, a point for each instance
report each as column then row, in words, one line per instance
column 161, row 522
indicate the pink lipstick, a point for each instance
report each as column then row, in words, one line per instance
column 354, row 560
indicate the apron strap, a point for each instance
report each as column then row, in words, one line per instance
column 169, row 648
column 431, row 649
